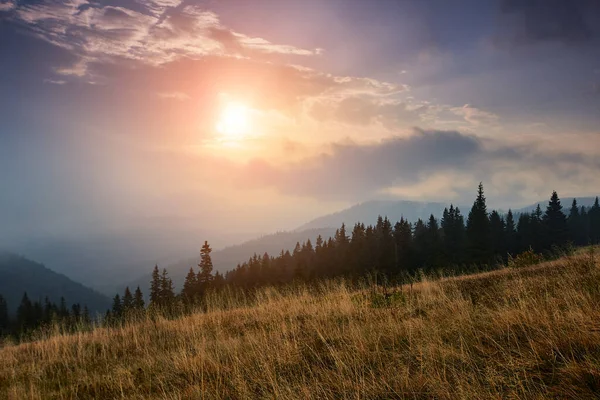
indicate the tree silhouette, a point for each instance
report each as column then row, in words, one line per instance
column 138, row 299
column 190, row 286
column 555, row 223
column 206, row 266
column 478, row 230
column 4, row 321
column 127, row 300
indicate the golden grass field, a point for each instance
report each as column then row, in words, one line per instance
column 526, row 333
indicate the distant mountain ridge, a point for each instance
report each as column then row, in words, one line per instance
column 566, row 202
column 368, row 212
column 19, row 275
column 227, row 258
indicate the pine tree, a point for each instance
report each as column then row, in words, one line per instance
column 555, row 224
column 594, row 216
column 478, row 230
column 63, row 311
column 574, row 223
column 155, row 287
column 190, row 286
column 433, row 250
column 498, row 234
column 584, row 222
column 167, row 291
column 4, row 321
column 127, row 300
column 206, row 267
column 86, row 315
column 404, row 247
column 138, row 299
column 117, row 306
column 25, row 318
column 420, row 244
column 510, row 233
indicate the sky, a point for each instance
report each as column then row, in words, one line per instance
column 255, row 116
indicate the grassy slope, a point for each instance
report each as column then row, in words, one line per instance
column 528, row 333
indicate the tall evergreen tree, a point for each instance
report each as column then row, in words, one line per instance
column 138, row 299
column 25, row 317
column 206, row 267
column 117, row 306
column 63, row 311
column 497, row 234
column 555, row 223
column 4, row 321
column 585, row 227
column 155, row 287
column 167, row 291
column 433, row 250
column 510, row 233
column 574, row 223
column 478, row 230
column 404, row 246
column 594, row 216
column 190, row 286
column 127, row 300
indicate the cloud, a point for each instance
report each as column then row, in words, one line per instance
column 475, row 116
column 55, row 81
column 7, row 5
column 567, row 21
column 354, row 171
column 408, row 166
column 174, row 96
column 165, row 33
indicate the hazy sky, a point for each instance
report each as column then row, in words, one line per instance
column 241, row 115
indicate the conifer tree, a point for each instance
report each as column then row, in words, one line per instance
column 420, row 244
column 510, row 233
column 537, row 231
column 433, row 249
column 4, row 321
column 555, row 223
column 478, row 230
column 127, row 300
column 86, row 315
column 76, row 311
column 585, row 227
column 63, row 311
column 25, row 318
column 138, row 299
column 206, row 267
column 497, row 234
column 594, row 216
column 167, row 293
column 404, row 246
column 155, row 287
column 574, row 223
column 117, row 306
column 190, row 286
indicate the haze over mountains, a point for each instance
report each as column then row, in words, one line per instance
column 110, row 262
column 19, row 275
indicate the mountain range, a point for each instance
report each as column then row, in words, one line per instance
column 111, row 262
column 19, row 274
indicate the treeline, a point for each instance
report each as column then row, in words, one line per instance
column 397, row 252
column 33, row 315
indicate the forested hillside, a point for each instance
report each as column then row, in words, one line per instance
column 19, row 275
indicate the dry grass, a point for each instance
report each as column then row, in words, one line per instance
column 526, row 333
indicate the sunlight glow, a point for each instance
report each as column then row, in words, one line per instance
column 233, row 122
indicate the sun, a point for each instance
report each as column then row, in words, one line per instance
column 233, row 122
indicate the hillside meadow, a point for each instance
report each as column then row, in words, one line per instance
column 526, row 333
